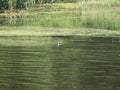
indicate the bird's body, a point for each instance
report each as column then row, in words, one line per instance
column 59, row 43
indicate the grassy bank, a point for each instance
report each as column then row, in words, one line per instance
column 103, row 15
column 94, row 19
column 38, row 36
column 100, row 14
column 42, row 31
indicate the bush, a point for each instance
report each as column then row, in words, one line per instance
column 20, row 4
column 4, row 4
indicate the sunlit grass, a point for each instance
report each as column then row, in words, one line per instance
column 99, row 14
column 46, row 31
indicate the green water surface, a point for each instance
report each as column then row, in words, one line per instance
column 80, row 63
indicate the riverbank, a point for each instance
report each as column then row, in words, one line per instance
column 96, row 15
column 99, row 19
column 42, row 31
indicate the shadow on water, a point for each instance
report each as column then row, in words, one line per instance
column 80, row 63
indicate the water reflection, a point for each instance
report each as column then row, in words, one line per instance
column 81, row 63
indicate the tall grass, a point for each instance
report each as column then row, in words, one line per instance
column 56, row 15
column 62, row 20
column 100, row 22
column 102, row 14
column 90, row 15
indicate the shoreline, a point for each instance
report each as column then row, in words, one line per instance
column 41, row 31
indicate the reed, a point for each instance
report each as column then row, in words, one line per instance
column 101, row 14
column 62, row 20
column 73, row 15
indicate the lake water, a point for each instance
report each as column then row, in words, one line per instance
column 80, row 63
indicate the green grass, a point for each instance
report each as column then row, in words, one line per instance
column 38, row 36
column 101, row 14
column 63, row 20
column 46, row 31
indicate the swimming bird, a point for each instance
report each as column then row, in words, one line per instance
column 59, row 43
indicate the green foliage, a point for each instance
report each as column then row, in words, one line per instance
column 20, row 4
column 68, row 15
column 12, row 4
column 15, row 4
column 3, row 4
column 23, row 4
column 67, row 1
column 63, row 20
